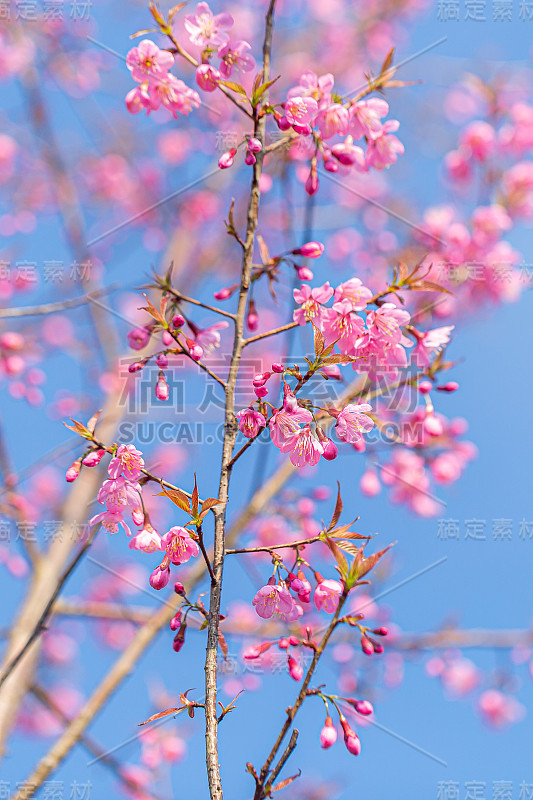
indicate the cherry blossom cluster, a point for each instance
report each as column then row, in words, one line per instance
column 313, row 110
column 149, row 66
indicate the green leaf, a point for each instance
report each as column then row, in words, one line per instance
column 235, row 87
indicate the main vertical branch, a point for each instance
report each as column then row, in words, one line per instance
column 230, row 435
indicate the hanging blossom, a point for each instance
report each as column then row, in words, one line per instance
column 121, row 493
column 327, row 595
column 235, row 58
column 352, row 422
column 275, row 599
column 250, row 422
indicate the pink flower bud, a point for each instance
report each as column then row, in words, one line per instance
column 293, row 641
column 262, row 391
column 252, row 320
column 351, row 739
column 330, row 165
column 283, row 644
column 362, row 706
column 167, row 338
column 161, row 388
column 381, row 631
column 136, row 366
column 283, row 123
column 451, row 386
column 225, row 292
column 366, row 646
column 277, row 368
column 179, row 588
column 369, row 483
column 139, row 337
column 261, row 379
column 424, row 387
column 195, row 350
column 179, row 638
column 331, row 451
column 254, row 145
column 433, row 425
column 249, row 158
column 256, row 650
column 226, row 160
column 305, row 274
column 311, row 184
column 14, row 365
column 296, row 670
column 159, row 578
column 175, row 622
column 162, row 360
column 73, row 471
column 378, row 648
column 94, row 458
column 207, row 77
column 309, row 250
column 328, row 734
column 178, row 321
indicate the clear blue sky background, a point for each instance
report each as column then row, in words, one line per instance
column 482, row 584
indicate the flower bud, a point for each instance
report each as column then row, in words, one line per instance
column 159, row 578
column 179, row 638
column 195, row 350
column 310, row 250
column 73, row 471
column 451, row 386
column 351, row 739
column 328, row 734
column 162, row 360
column 139, row 337
column 161, row 387
column 256, row 650
column 305, row 274
column 252, row 319
column 261, row 379
column 261, row 391
column 178, row 321
column 424, row 387
column 94, row 458
column 225, row 292
column 433, row 425
column 179, row 588
column 366, row 646
column 226, row 160
column 175, row 622
column 311, row 184
column 167, row 338
column 136, row 366
column 296, row 670
column 361, row 706
column 282, row 122
column 207, row 77
column 277, row 368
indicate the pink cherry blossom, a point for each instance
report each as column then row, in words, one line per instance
column 127, row 462
column 384, row 149
column 147, row 61
column 206, row 29
column 311, row 302
column 301, row 110
column 428, row 343
column 498, row 709
column 235, row 57
column 354, row 291
column 319, row 88
column 349, row 155
column 343, row 326
column 352, row 422
column 303, row 447
column 179, row 545
column 250, row 422
column 174, row 95
column 333, row 119
column 285, row 424
column 275, row 599
column 327, row 594
column 148, row 540
column 365, row 117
